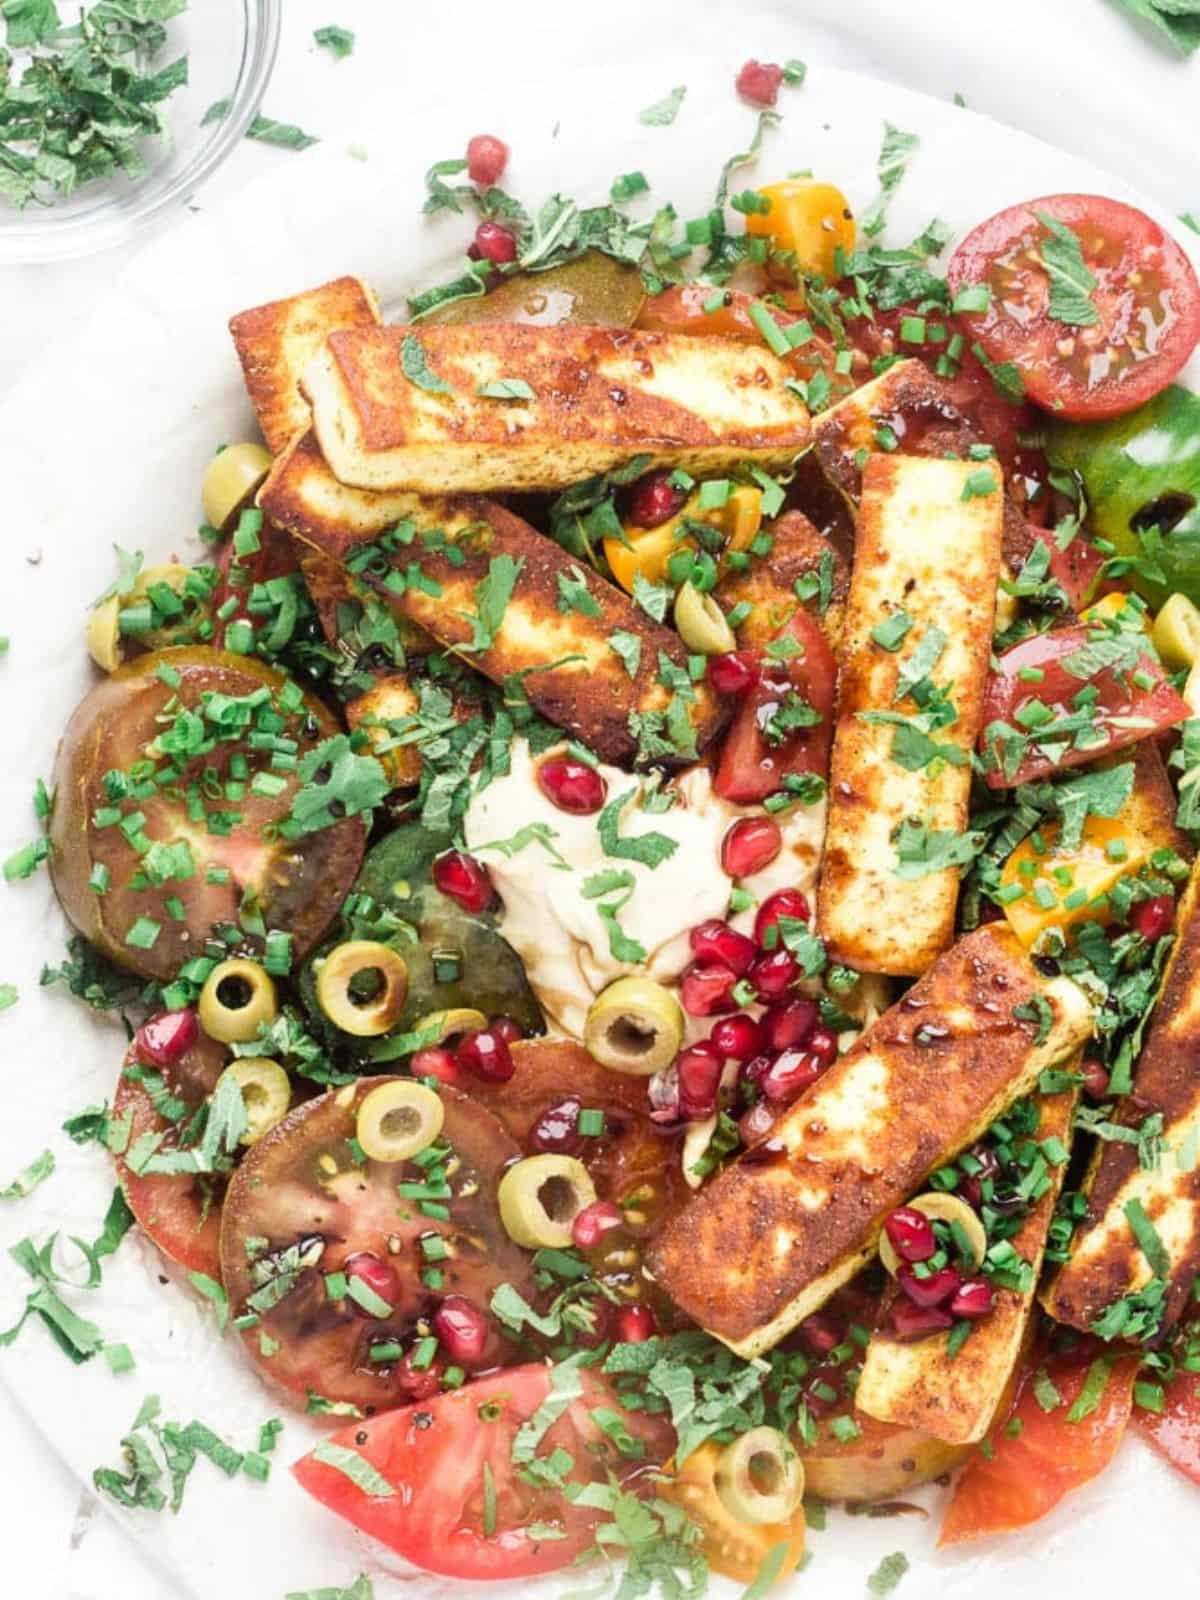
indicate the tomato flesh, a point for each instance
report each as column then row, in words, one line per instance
column 1146, row 304
column 1123, row 712
column 1030, row 1469
column 181, row 1215
column 1175, row 1430
column 433, row 1455
column 755, row 759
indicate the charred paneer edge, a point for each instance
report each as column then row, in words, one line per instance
column 771, row 1238
column 956, row 1398
column 799, row 554
column 505, row 408
column 912, row 667
column 918, row 410
column 278, row 341
column 1156, row 1179
column 451, row 573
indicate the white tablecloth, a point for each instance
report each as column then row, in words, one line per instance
column 1071, row 71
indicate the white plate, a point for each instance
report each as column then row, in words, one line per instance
column 107, row 441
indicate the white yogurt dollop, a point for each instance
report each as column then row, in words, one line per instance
column 559, row 932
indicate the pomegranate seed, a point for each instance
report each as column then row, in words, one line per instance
column 739, row 1037
column 790, row 1024
column 699, row 1071
column 557, row 1129
column 654, row 500
column 462, row 1330
column 751, row 844
column 437, row 1062
column 789, row 1075
column 823, row 1044
column 735, row 673
column 756, row 1123
column 572, row 785
column 663, row 1094
column 783, row 903
column 707, row 991
column 487, row 1055
column 495, row 244
column 376, row 1275
column 464, row 879
column 773, row 975
column 934, row 1290
column 1095, row 1079
column 1153, row 918
column 974, row 1299
column 162, row 1040
column 487, row 158
column 910, row 1234
column 715, row 943
column 509, row 1029
column 822, row 1332
column 593, row 1222
column 759, row 81
column 909, row 1321
column 418, row 1383
column 635, row 1324
column 823, row 1379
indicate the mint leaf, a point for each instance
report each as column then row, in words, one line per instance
column 663, row 112
column 1071, row 283
column 414, row 364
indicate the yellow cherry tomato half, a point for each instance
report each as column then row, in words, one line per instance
column 811, row 219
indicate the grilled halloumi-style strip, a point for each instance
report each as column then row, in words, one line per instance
column 1108, row 1260
column 956, row 1398
column 918, row 625
column 554, row 627
column 409, row 408
column 277, row 341
column 768, row 585
column 771, row 1238
column 916, row 407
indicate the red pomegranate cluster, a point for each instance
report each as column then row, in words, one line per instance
column 934, row 1300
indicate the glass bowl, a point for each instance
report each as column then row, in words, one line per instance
column 231, row 47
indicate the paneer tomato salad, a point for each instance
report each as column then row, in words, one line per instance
column 650, row 867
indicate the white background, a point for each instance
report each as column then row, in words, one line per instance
column 1070, row 71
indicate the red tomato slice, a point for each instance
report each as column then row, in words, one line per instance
column 1146, row 299
column 1175, row 1430
column 1123, row 711
column 182, row 1215
column 1028, row 1475
column 434, row 1454
column 755, row 759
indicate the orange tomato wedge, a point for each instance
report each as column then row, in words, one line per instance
column 1031, row 1470
column 733, row 1548
column 812, row 220
column 650, row 549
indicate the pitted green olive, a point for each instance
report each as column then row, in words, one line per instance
column 398, row 1120
column 701, row 624
column 459, row 1019
column 540, row 1198
column 634, row 1026
column 231, row 480
column 237, row 998
column 760, row 1477
column 104, row 634
column 1176, row 633
column 266, row 1093
column 177, row 613
column 362, row 986
column 947, row 1208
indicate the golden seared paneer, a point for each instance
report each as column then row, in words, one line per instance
column 774, row 1234
column 506, row 408
column 912, row 666
column 277, row 341
column 1136, row 1254
column 955, row 1397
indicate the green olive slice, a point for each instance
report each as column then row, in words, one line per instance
column 237, row 998
column 634, row 1026
column 266, row 1093
column 760, row 1477
column 398, row 1120
column 231, row 479
column 701, row 624
column 947, row 1208
column 104, row 634
column 443, row 1025
column 540, row 1198
column 344, row 975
